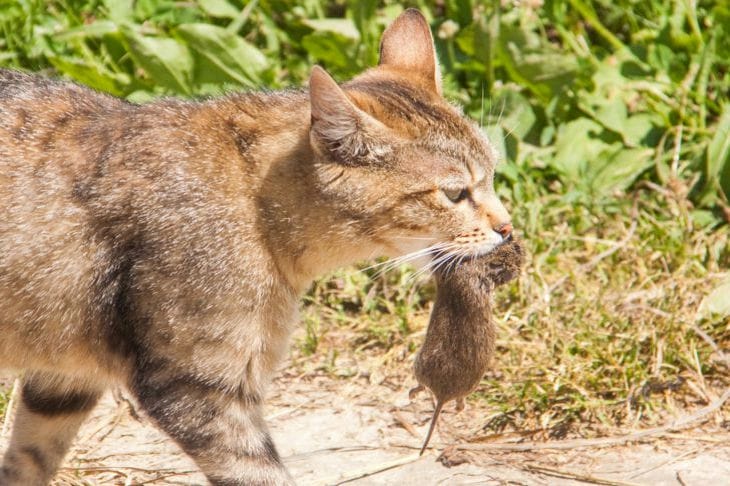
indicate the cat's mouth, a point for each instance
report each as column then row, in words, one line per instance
column 478, row 245
column 429, row 253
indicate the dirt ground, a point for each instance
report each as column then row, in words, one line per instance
column 332, row 431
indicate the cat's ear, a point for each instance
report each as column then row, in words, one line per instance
column 407, row 44
column 349, row 134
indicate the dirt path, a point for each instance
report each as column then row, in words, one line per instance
column 333, row 431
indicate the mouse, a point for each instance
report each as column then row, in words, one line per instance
column 460, row 339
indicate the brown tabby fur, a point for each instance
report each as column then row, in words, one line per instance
column 164, row 246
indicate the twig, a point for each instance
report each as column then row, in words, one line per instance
column 163, row 476
column 670, row 461
column 576, row 476
column 604, row 441
column 404, row 423
column 680, row 480
column 285, row 411
column 363, row 473
column 9, row 409
column 122, row 469
column 703, row 438
column 121, row 399
column 308, row 454
column 711, row 342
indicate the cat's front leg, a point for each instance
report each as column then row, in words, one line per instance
column 221, row 428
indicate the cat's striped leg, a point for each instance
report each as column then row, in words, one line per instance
column 222, row 429
column 49, row 413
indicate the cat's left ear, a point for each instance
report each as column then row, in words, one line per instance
column 347, row 133
column 407, row 44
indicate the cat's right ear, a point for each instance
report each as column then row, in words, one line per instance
column 407, row 44
column 347, row 133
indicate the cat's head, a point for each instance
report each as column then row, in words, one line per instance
column 398, row 159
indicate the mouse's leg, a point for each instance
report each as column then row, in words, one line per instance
column 460, row 404
column 415, row 391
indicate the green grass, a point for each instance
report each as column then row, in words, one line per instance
column 4, row 397
column 613, row 120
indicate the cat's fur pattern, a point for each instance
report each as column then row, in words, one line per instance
column 164, row 246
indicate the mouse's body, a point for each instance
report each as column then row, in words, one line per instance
column 460, row 339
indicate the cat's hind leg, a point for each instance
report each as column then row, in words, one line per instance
column 49, row 413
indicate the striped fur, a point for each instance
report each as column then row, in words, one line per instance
column 164, row 246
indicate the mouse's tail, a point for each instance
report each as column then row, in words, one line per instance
column 434, row 419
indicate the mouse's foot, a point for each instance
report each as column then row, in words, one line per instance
column 415, row 391
column 460, row 404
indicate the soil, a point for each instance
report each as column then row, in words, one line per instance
column 352, row 431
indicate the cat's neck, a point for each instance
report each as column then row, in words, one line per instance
column 306, row 234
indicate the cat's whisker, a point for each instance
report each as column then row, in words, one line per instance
column 433, row 265
column 396, row 262
column 511, row 131
column 499, row 117
column 449, row 264
column 481, row 113
column 425, row 238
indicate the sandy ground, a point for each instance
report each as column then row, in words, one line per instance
column 329, row 432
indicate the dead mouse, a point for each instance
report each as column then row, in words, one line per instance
column 460, row 339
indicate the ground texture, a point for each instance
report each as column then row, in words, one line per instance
column 332, row 431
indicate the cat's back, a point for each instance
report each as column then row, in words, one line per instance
column 35, row 109
column 48, row 129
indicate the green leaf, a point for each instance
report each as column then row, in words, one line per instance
column 331, row 48
column 612, row 114
column 95, row 30
column 226, row 52
column 219, row 8
column 637, row 127
column 495, row 135
column 344, row 27
column 620, row 170
column 120, row 10
column 514, row 112
column 717, row 302
column 94, row 76
column 141, row 97
column 703, row 218
column 165, row 60
column 576, row 146
column 539, row 66
column 718, row 154
column 459, row 10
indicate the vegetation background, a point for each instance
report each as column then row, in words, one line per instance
column 613, row 121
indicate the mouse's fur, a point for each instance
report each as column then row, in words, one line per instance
column 460, row 339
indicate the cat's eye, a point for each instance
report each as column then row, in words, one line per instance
column 455, row 194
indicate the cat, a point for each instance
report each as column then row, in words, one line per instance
column 164, row 246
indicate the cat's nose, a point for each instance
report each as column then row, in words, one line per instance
column 504, row 229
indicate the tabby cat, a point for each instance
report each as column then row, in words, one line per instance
column 164, row 246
